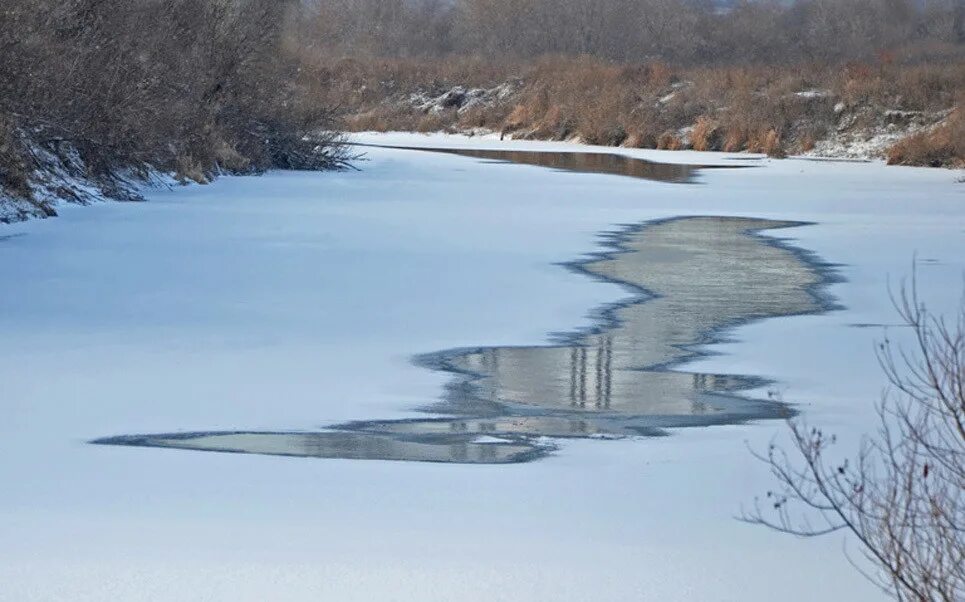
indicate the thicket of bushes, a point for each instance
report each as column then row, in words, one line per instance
column 651, row 105
column 113, row 87
column 942, row 146
column 598, row 70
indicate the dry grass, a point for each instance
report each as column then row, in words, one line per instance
column 941, row 146
column 187, row 168
column 705, row 135
column 650, row 105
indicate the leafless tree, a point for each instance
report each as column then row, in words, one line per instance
column 901, row 496
column 680, row 31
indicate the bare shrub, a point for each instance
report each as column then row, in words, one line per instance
column 942, row 146
column 631, row 72
column 769, row 143
column 901, row 497
column 124, row 85
column 734, row 139
column 669, row 141
column 14, row 176
column 705, row 135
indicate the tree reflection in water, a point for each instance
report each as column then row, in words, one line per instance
column 692, row 279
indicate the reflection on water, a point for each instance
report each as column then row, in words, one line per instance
column 692, row 278
column 581, row 162
column 454, row 447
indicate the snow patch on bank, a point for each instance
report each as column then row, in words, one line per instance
column 461, row 99
column 879, row 132
column 60, row 176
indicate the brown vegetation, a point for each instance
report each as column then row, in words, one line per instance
column 940, row 146
column 105, row 88
column 766, row 109
column 643, row 73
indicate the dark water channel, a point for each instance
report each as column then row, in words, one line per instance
column 692, row 278
column 583, row 162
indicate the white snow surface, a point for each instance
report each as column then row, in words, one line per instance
column 295, row 300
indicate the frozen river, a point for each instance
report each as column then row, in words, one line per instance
column 559, row 319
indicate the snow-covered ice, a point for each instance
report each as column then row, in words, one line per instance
column 296, row 300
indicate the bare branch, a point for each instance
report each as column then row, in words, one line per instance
column 901, row 497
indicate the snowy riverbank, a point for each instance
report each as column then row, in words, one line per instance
column 818, row 123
